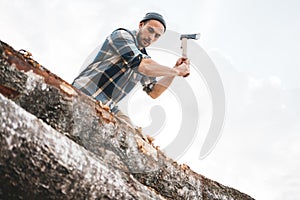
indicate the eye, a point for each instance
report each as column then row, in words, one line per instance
column 151, row 30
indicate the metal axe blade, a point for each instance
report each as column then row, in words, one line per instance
column 195, row 36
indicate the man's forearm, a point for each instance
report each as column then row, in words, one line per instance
column 149, row 67
column 161, row 86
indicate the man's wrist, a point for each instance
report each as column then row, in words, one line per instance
column 176, row 72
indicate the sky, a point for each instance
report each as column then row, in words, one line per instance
column 253, row 44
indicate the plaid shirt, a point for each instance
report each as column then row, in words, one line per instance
column 114, row 71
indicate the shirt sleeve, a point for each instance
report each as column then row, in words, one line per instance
column 124, row 45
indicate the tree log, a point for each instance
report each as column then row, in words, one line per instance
column 91, row 125
column 37, row 162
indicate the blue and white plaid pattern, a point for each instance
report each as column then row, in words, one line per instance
column 114, row 71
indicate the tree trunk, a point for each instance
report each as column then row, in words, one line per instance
column 92, row 126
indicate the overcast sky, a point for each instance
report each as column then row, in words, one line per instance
column 254, row 45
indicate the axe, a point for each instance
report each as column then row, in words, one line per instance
column 184, row 38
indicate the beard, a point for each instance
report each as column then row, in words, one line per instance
column 142, row 42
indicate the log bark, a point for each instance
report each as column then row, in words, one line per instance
column 89, row 124
column 37, row 162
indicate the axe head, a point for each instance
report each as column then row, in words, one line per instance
column 190, row 36
column 184, row 38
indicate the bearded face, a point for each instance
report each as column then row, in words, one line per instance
column 149, row 32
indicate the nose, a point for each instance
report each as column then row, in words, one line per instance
column 151, row 37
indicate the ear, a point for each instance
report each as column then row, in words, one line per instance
column 141, row 24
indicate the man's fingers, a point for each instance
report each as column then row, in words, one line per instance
column 182, row 60
column 179, row 62
column 186, row 61
column 183, row 65
column 186, row 75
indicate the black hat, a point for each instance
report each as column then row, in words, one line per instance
column 154, row 16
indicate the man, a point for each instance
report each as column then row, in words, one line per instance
column 123, row 61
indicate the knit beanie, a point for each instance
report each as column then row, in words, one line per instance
column 154, row 16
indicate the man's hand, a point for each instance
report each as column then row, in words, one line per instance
column 182, row 60
column 182, row 67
